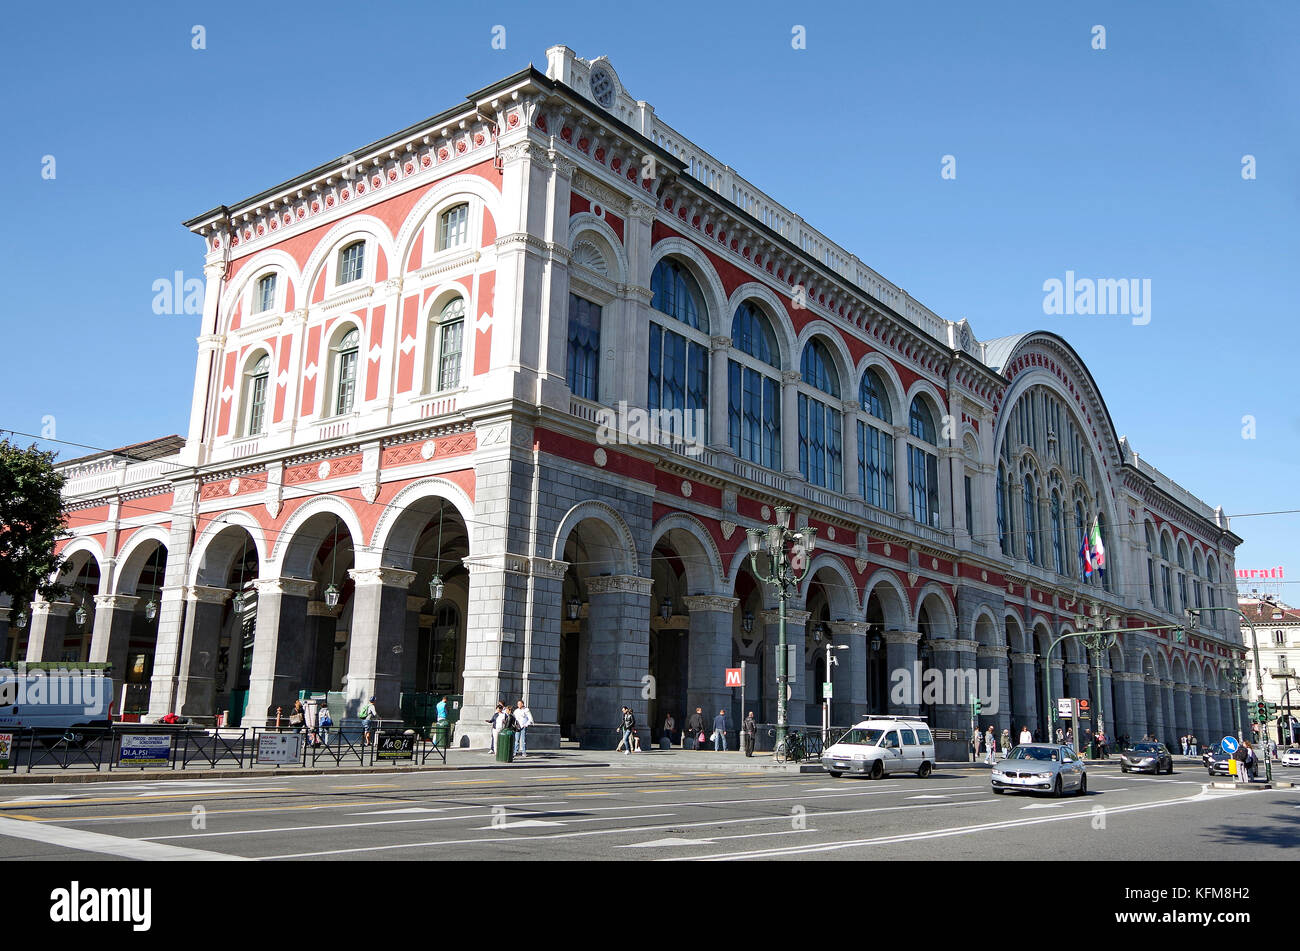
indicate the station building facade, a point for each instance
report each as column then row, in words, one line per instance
column 415, row 463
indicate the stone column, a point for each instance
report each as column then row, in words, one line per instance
column 542, row 667
column 849, row 701
column 1155, row 709
column 1079, row 681
column 200, row 646
column 902, row 498
column 1170, row 736
column 1022, row 673
column 955, row 660
column 796, row 626
column 1058, row 687
column 616, row 651
column 50, row 623
column 322, row 621
column 709, row 655
column 719, row 347
column 410, row 654
column 378, row 625
column 790, row 425
column 1109, row 714
column 993, row 678
column 1200, row 724
column 904, row 680
column 849, row 449
column 111, row 635
column 1182, row 712
column 1130, row 716
column 279, row 647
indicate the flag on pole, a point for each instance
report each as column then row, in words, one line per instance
column 1085, row 558
column 1098, row 548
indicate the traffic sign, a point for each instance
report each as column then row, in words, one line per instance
column 735, row 677
column 1085, row 710
column 1228, row 744
column 1064, row 707
column 826, row 689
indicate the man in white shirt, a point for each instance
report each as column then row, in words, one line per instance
column 1025, row 735
column 523, row 719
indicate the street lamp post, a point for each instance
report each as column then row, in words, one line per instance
column 785, row 570
column 820, row 633
column 1254, row 639
column 1234, row 670
column 1286, row 676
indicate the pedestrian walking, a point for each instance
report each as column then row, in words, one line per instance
column 990, row 746
column 975, row 745
column 750, row 729
column 1252, row 761
column 371, row 717
column 720, row 732
column 323, row 723
column 695, row 728
column 495, row 722
column 1025, row 735
column 627, row 724
column 298, row 718
column 523, row 720
column 1101, row 743
column 1196, row 744
column 666, row 740
column 1242, row 756
column 1006, row 740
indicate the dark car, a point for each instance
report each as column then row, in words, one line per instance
column 1217, row 763
column 1146, row 758
column 1208, row 752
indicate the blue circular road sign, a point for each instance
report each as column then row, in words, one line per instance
column 1229, row 744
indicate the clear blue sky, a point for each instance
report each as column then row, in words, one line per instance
column 1117, row 163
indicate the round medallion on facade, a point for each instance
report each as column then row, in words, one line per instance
column 888, row 550
column 830, row 532
column 315, row 207
column 329, row 201
column 766, row 513
column 686, row 489
column 934, row 563
column 602, row 87
column 323, row 470
column 598, row 210
column 426, row 161
column 600, row 457
column 984, row 576
column 408, row 168
column 427, row 449
column 345, row 194
column 513, row 120
column 234, row 486
column 392, row 174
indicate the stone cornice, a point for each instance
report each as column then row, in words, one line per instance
column 388, row 577
column 549, row 568
column 620, row 584
column 902, row 637
column 792, row 618
column 115, row 602
column 205, row 594
column 288, row 587
column 709, row 602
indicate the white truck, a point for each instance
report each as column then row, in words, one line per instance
column 55, row 696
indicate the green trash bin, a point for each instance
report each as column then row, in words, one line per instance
column 440, row 730
column 506, row 746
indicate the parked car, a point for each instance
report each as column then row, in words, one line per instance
column 1207, row 752
column 1146, row 758
column 1040, row 767
column 881, row 746
column 1291, row 757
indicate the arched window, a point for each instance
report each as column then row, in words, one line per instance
column 1198, row 572
column 1081, row 532
column 678, row 388
column 754, row 390
column 345, row 371
column 1212, row 572
column 1151, row 562
column 1182, row 579
column 923, row 466
column 453, row 227
column 352, row 262
column 450, row 337
column 255, row 396
column 1031, row 521
column 1003, row 535
column 264, row 294
column 1165, row 575
column 1058, row 541
column 875, row 445
column 821, row 425
column 584, row 348
column 1103, row 533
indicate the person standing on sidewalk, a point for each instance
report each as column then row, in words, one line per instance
column 990, row 746
column 695, row 729
column 1006, row 740
column 1025, row 735
column 628, row 726
column 523, row 720
column 495, row 721
column 720, row 732
column 670, row 726
column 371, row 718
column 750, row 729
column 975, row 745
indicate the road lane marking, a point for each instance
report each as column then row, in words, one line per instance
column 100, row 800
column 83, row 841
column 369, row 786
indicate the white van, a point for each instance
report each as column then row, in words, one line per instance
column 881, row 746
column 52, row 696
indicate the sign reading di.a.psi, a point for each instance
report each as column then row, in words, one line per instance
column 144, row 749
column 279, row 749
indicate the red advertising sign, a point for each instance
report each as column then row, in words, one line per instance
column 735, row 677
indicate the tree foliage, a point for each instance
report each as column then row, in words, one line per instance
column 31, row 521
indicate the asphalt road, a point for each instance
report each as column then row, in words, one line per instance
column 637, row 812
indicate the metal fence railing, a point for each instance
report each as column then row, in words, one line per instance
column 129, row 747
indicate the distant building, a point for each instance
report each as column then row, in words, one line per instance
column 1279, row 657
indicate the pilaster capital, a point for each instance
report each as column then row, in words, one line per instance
column 847, row 628
column 549, row 568
column 502, row 562
column 1076, row 668
column 620, row 584
column 902, row 637
column 1197, row 690
column 641, row 211
column 321, row 609
column 985, row 650
column 291, row 587
column 710, row 602
column 415, row 604
column 1166, row 684
column 53, row 608
column 1058, row 664
column 792, row 618
column 205, row 594
column 954, row 644
column 1023, row 658
column 209, row 342
column 1181, row 688
column 719, row 343
column 116, row 602
column 393, row 285
column 790, row 377
column 388, row 577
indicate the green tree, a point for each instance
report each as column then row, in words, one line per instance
column 31, row 521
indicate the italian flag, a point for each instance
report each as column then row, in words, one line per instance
column 1098, row 549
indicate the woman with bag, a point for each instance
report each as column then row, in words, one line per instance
column 323, row 721
column 695, row 730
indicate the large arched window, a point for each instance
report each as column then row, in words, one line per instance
column 923, row 466
column 754, row 389
column 448, row 335
column 875, row 445
column 821, row 424
column 1165, row 576
column 264, row 293
column 1151, row 563
column 345, row 371
column 1081, row 533
column 1004, row 540
column 453, row 227
column 1182, row 578
column 1058, row 540
column 678, row 389
column 584, row 348
column 255, row 396
column 1212, row 573
column 1198, row 572
column 1031, row 520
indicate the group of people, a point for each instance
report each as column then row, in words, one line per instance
column 517, row 718
column 1190, row 744
column 694, row 736
column 317, row 727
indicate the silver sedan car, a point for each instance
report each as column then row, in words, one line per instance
column 1041, row 767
